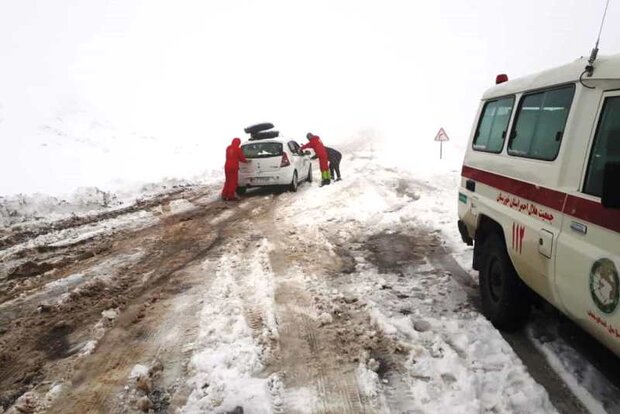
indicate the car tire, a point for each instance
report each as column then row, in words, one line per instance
column 258, row 127
column 309, row 178
column 264, row 135
column 241, row 190
column 505, row 298
column 294, row 183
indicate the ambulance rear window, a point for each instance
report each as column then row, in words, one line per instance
column 493, row 125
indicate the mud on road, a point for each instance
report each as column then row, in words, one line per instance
column 77, row 317
column 56, row 306
column 107, row 315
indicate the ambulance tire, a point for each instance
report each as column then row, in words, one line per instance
column 505, row 298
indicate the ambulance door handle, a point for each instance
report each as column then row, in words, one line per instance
column 470, row 185
column 545, row 243
column 579, row 227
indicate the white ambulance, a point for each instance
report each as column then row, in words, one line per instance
column 540, row 196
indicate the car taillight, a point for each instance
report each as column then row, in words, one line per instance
column 285, row 162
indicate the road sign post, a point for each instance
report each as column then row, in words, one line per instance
column 441, row 137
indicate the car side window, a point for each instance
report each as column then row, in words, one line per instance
column 294, row 147
column 493, row 125
column 606, row 146
column 539, row 123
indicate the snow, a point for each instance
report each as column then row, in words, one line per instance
column 180, row 206
column 138, row 370
column 27, row 210
column 74, row 145
column 469, row 365
column 230, row 357
column 594, row 391
column 72, row 235
column 456, row 360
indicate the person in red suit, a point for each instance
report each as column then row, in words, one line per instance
column 316, row 144
column 234, row 155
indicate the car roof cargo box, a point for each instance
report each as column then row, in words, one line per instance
column 264, row 135
column 258, row 127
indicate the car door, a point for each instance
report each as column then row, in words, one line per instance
column 300, row 161
column 588, row 252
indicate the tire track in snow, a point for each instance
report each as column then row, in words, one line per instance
column 311, row 360
column 169, row 260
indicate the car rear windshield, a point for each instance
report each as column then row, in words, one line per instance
column 262, row 149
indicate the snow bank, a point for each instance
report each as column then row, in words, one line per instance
column 23, row 209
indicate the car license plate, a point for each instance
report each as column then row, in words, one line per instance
column 260, row 179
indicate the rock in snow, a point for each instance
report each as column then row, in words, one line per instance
column 421, row 325
column 325, row 319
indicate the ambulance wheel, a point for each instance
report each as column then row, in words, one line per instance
column 309, row 178
column 241, row 190
column 505, row 298
column 294, row 183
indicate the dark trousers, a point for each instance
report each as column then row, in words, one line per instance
column 334, row 167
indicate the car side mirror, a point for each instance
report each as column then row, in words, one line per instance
column 610, row 197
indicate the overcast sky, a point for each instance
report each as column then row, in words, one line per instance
column 199, row 71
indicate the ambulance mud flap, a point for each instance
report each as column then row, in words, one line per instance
column 464, row 233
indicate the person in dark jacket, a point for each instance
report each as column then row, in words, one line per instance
column 234, row 155
column 316, row 144
column 334, row 158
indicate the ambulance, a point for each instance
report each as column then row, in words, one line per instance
column 540, row 196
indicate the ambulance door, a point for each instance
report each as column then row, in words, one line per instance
column 588, row 253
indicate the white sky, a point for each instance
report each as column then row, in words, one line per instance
column 194, row 73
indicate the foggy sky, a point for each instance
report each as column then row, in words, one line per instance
column 199, row 71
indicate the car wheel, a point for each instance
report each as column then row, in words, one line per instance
column 241, row 190
column 294, row 183
column 309, row 178
column 258, row 127
column 505, row 298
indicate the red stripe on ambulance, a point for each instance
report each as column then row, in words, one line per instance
column 571, row 205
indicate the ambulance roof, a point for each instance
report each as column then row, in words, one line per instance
column 605, row 67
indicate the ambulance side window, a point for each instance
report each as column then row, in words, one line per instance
column 606, row 147
column 493, row 125
column 539, row 125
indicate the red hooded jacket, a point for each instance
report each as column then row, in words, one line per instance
column 234, row 154
column 317, row 145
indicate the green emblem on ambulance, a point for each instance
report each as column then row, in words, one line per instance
column 604, row 285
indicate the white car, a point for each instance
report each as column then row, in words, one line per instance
column 274, row 162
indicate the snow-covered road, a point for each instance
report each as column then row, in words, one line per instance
column 344, row 299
